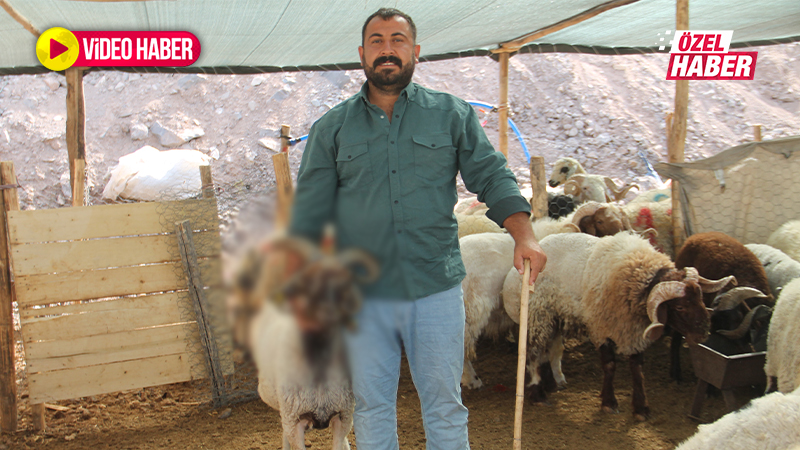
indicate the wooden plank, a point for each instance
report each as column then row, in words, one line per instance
column 514, row 45
column 49, row 257
column 206, row 182
column 157, row 310
column 95, row 380
column 8, row 381
column 64, row 287
column 87, row 222
column 110, row 304
column 115, row 342
column 171, row 347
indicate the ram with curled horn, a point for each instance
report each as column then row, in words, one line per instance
column 618, row 290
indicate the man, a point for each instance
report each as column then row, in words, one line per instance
column 381, row 166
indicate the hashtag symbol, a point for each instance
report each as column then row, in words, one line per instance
column 660, row 42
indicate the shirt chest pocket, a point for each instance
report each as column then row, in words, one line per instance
column 353, row 165
column 434, row 157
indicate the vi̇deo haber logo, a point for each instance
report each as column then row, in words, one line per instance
column 59, row 48
column 704, row 55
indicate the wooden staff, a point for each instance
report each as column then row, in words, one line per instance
column 522, row 353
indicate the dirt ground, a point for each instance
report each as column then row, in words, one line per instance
column 169, row 417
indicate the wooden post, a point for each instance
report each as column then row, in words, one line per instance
column 283, row 176
column 503, row 107
column 195, row 283
column 677, row 138
column 206, row 182
column 522, row 353
column 539, row 206
column 79, row 183
column 757, row 133
column 285, row 134
column 8, row 376
column 76, row 123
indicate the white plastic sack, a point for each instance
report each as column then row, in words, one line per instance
column 149, row 174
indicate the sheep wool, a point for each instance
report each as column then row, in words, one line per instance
column 780, row 268
column 787, row 239
column 783, row 349
column 617, row 273
column 771, row 422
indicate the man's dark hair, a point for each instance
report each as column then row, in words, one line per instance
column 386, row 14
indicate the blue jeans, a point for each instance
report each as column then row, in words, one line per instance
column 431, row 330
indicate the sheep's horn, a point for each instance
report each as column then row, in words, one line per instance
column 705, row 284
column 573, row 227
column 353, row 257
column 571, row 187
column 662, row 292
column 735, row 297
column 611, row 185
column 652, row 231
column 624, row 191
column 739, row 332
column 587, row 209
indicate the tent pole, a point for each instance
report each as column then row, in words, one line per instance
column 503, row 107
column 677, row 138
column 76, row 123
column 19, row 18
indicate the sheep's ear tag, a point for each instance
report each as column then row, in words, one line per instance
column 654, row 331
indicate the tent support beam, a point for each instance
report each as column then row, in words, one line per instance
column 76, row 126
column 19, row 18
column 677, row 138
column 502, row 108
column 514, row 45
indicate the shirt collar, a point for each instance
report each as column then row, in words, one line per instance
column 409, row 91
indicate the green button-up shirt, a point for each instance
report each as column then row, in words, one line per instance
column 389, row 187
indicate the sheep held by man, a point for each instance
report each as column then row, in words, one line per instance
column 771, row 422
column 297, row 344
column 779, row 267
column 783, row 350
column 787, row 239
column 622, row 291
column 487, row 258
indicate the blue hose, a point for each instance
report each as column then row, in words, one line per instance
column 513, row 127
column 473, row 103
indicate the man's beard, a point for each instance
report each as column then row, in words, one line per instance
column 388, row 81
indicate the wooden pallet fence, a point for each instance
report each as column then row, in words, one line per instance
column 102, row 295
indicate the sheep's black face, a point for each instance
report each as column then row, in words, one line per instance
column 688, row 315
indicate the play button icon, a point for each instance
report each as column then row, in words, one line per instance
column 56, row 48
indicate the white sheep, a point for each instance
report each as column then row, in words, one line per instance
column 297, row 344
column 476, row 223
column 487, row 258
column 787, row 239
column 653, row 215
column 306, row 396
column 783, row 350
column 597, row 188
column 563, row 169
column 622, row 291
column 771, row 422
column 780, row 268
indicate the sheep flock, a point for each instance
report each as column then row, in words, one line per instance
column 612, row 278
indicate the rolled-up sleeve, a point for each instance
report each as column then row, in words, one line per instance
column 485, row 171
column 316, row 186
